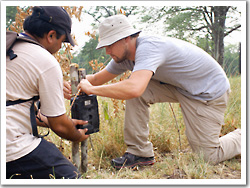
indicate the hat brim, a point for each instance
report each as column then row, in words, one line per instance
column 110, row 40
column 69, row 39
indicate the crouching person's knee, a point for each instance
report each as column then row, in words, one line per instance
column 210, row 155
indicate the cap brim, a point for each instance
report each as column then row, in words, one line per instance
column 69, row 39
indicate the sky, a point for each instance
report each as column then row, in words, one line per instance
column 79, row 29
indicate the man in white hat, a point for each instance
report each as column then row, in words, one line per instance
column 163, row 70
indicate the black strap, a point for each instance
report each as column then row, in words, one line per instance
column 33, row 120
column 11, row 54
column 32, row 113
column 23, row 37
column 9, row 103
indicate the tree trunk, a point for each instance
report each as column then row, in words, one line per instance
column 74, row 83
column 218, row 28
column 76, row 75
column 84, row 144
column 240, row 57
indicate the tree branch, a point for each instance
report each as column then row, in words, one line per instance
column 233, row 29
column 206, row 15
column 114, row 9
column 198, row 29
column 106, row 10
column 93, row 15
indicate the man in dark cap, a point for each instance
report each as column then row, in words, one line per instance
column 35, row 72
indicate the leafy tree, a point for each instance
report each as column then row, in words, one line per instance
column 15, row 16
column 10, row 15
column 89, row 53
column 206, row 22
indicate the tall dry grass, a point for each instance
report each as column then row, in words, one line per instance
column 173, row 162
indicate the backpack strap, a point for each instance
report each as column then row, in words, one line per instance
column 12, row 37
column 32, row 113
column 10, row 52
column 9, row 103
column 10, row 41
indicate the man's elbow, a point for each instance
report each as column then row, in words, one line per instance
column 135, row 93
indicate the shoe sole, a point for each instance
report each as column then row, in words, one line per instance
column 145, row 163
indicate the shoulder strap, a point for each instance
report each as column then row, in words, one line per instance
column 32, row 113
column 12, row 37
column 10, row 41
column 33, row 120
column 9, row 103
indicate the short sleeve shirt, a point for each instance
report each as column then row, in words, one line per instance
column 190, row 69
column 34, row 72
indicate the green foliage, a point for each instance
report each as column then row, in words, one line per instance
column 88, row 53
column 10, row 15
column 231, row 60
column 233, row 112
column 12, row 12
column 231, row 55
column 179, row 22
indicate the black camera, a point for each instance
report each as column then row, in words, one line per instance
column 85, row 107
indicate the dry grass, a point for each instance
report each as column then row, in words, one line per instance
column 172, row 163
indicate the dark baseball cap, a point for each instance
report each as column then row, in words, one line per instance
column 58, row 17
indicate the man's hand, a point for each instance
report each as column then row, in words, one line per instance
column 84, row 137
column 85, row 86
column 67, row 90
column 82, row 131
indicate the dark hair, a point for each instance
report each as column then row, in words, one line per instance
column 135, row 35
column 38, row 27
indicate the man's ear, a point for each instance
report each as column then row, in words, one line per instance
column 50, row 36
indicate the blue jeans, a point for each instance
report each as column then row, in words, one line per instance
column 41, row 163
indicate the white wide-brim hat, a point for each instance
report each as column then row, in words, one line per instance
column 114, row 28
